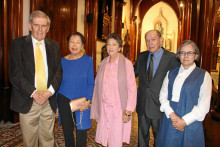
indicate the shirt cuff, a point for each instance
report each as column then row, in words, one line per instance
column 168, row 111
column 33, row 93
column 188, row 118
column 51, row 90
column 129, row 109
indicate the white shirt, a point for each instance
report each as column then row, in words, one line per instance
column 43, row 51
column 199, row 111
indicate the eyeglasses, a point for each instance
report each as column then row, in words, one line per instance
column 190, row 53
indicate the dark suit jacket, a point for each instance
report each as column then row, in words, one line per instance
column 22, row 72
column 148, row 93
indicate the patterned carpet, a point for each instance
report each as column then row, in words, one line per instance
column 10, row 135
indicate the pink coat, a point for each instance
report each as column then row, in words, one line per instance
column 110, row 128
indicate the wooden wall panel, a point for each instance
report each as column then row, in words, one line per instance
column 11, row 23
column 206, row 27
column 63, row 15
column 118, row 16
column 132, row 41
column 91, row 6
column 1, row 45
column 195, row 20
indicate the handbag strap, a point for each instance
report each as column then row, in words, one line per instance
column 80, row 120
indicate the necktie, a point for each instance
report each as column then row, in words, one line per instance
column 40, row 69
column 150, row 68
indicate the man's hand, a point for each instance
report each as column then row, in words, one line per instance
column 36, row 96
column 41, row 97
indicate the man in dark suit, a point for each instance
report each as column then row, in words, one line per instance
column 35, row 74
column 151, row 68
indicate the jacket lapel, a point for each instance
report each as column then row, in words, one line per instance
column 29, row 52
column 49, row 55
column 143, row 66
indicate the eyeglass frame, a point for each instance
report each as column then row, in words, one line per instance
column 183, row 53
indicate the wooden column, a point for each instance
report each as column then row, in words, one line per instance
column 139, row 38
column 195, row 21
column 206, row 26
column 133, row 30
column 11, row 23
column 91, row 6
column 118, row 16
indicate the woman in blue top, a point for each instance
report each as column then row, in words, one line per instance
column 77, row 82
column 185, row 98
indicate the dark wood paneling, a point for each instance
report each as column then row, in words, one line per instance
column 90, row 33
column 195, row 20
column 11, row 23
column 206, row 26
column 133, row 41
column 118, row 16
column 63, row 15
column 1, row 44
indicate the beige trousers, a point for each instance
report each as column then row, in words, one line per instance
column 37, row 126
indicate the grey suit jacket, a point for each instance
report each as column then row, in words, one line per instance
column 22, row 72
column 148, row 93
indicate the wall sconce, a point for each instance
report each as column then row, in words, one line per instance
column 181, row 4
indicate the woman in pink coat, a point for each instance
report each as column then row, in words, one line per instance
column 114, row 97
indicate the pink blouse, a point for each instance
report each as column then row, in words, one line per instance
column 110, row 127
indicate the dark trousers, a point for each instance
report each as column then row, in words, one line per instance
column 68, row 125
column 144, row 124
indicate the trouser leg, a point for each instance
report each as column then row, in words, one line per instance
column 155, row 127
column 46, row 126
column 143, row 131
column 66, row 120
column 81, row 138
column 29, row 123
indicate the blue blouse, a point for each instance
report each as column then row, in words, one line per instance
column 78, row 81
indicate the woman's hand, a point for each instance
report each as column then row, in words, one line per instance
column 85, row 105
column 177, row 122
column 126, row 116
column 180, row 125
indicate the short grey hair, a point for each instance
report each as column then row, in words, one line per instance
column 115, row 36
column 40, row 14
column 189, row 42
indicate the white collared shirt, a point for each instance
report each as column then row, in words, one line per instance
column 199, row 111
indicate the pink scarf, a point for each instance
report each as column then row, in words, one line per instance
column 98, row 89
